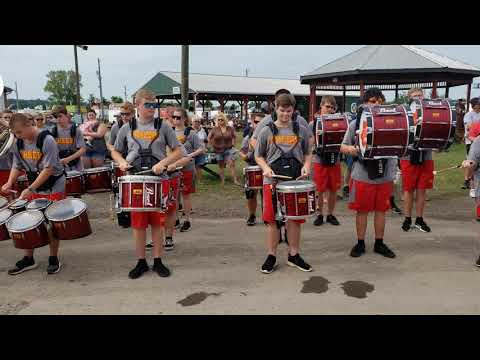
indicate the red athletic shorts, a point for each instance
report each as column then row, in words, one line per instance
column 174, row 188
column 365, row 197
column 478, row 211
column 188, row 185
column 269, row 208
column 141, row 220
column 416, row 176
column 52, row 197
column 327, row 177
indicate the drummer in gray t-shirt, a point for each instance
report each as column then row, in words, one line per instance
column 127, row 112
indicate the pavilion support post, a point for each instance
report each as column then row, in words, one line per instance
column 362, row 88
column 469, row 94
column 245, row 105
column 447, row 91
column 203, row 105
column 313, row 105
column 344, row 103
column 434, row 90
column 396, row 92
column 222, row 102
column 241, row 103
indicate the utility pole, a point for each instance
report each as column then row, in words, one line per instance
column 246, row 72
column 185, row 76
column 16, row 93
column 125, row 90
column 100, row 86
column 84, row 47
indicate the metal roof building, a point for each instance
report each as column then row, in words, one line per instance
column 391, row 67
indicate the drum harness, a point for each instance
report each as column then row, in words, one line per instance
column 32, row 175
column 68, row 152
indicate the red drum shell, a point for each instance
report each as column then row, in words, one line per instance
column 143, row 193
column 296, row 199
column 253, row 177
column 5, row 215
column 74, row 184
column 330, row 131
column 34, row 237
column 4, row 234
column 75, row 228
column 98, row 180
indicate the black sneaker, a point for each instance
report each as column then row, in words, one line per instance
column 318, row 221
column 421, row 225
column 297, row 261
column 382, row 249
column 269, row 265
column 168, row 243
column 466, row 184
column 332, row 220
column 177, row 224
column 357, row 251
column 407, row 224
column 396, row 210
column 138, row 270
column 478, row 262
column 160, row 269
column 54, row 265
column 149, row 246
column 251, row 220
column 23, row 265
column 186, row 226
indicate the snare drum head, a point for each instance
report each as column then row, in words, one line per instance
column 73, row 173
column 65, row 209
column 295, row 186
column 3, row 201
column 253, row 168
column 18, row 203
column 25, row 220
column 37, row 204
column 97, row 170
column 5, row 214
column 139, row 178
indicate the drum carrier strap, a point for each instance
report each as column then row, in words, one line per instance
column 145, row 160
column 31, row 174
column 68, row 152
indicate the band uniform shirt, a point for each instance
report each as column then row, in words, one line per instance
column 474, row 155
column 6, row 160
column 268, row 119
column 316, row 158
column 469, row 119
column 286, row 140
column 191, row 165
column 191, row 142
column 114, row 133
column 65, row 142
column 248, row 150
column 144, row 134
column 201, row 134
column 359, row 172
column 30, row 154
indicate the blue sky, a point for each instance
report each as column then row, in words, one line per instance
column 132, row 66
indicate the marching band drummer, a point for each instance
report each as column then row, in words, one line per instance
column 69, row 138
column 127, row 112
column 370, row 188
column 7, row 158
column 145, row 140
column 417, row 176
column 472, row 164
column 247, row 154
column 36, row 152
column 326, row 176
column 194, row 147
column 283, row 145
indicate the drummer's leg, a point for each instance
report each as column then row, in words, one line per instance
column 293, row 235
column 140, row 236
column 273, row 237
column 158, row 233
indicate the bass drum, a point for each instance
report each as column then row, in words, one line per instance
column 69, row 219
column 330, row 131
column 28, row 230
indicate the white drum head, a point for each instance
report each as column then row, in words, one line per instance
column 5, row 214
column 65, row 209
column 38, row 204
column 25, row 220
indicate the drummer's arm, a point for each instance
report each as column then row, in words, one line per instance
column 75, row 155
column 243, row 156
column 12, row 178
column 117, row 157
column 184, row 161
column 41, row 178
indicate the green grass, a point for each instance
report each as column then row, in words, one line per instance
column 447, row 184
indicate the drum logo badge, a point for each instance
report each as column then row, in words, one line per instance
column 389, row 121
column 148, row 195
column 137, row 191
column 334, row 124
column 311, row 202
column 435, row 114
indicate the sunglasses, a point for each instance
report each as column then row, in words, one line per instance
column 329, row 106
column 151, row 105
column 39, row 119
column 124, row 114
column 176, row 117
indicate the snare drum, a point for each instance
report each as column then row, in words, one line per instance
column 253, row 177
column 3, row 202
column 98, row 179
column 22, row 184
column 5, row 215
column 174, row 188
column 434, row 124
column 385, row 131
column 296, row 199
column 18, row 205
column 117, row 173
column 28, row 229
column 74, row 183
column 69, row 219
column 330, row 131
column 143, row 193
column 39, row 204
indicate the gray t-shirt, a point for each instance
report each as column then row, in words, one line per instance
column 268, row 119
column 286, row 140
column 113, row 133
column 359, row 172
column 30, row 155
column 144, row 134
column 247, row 150
column 6, row 160
column 315, row 158
column 65, row 142
column 191, row 142
column 469, row 119
column 191, row 165
column 474, row 154
column 202, row 135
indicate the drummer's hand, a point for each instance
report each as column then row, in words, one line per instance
column 26, row 194
column 64, row 161
column 158, row 168
column 124, row 166
column 305, row 172
column 465, row 164
column 268, row 173
column 6, row 187
column 171, row 167
column 353, row 151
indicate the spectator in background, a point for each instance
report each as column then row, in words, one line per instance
column 202, row 134
column 127, row 112
column 5, row 117
column 470, row 118
column 222, row 140
column 39, row 120
column 94, row 133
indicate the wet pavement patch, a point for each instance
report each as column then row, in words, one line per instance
column 357, row 289
column 315, row 285
column 196, row 298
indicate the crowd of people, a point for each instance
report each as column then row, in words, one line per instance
column 278, row 139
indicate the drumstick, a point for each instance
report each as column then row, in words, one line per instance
column 282, row 177
column 450, row 168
